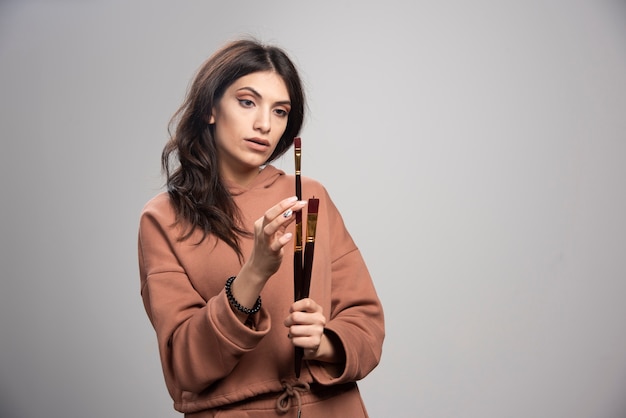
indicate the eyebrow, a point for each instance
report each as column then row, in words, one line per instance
column 257, row 94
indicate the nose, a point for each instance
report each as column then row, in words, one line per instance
column 263, row 123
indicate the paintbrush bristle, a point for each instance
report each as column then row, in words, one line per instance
column 297, row 141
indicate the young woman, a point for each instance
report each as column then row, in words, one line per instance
column 215, row 279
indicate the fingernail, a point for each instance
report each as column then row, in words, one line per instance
column 292, row 199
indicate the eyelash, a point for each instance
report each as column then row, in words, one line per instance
column 247, row 103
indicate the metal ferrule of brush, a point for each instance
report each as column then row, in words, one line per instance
column 311, row 225
column 298, row 157
column 298, row 240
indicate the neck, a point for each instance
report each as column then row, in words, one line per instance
column 240, row 178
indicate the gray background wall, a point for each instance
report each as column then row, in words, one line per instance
column 476, row 149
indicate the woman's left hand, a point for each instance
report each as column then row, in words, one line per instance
column 306, row 324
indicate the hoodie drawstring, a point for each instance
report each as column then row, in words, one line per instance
column 283, row 403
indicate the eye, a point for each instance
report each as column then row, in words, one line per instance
column 246, row 102
column 281, row 112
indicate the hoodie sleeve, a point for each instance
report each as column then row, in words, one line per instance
column 199, row 341
column 356, row 316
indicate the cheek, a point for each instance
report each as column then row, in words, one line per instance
column 225, row 128
column 281, row 127
column 221, row 136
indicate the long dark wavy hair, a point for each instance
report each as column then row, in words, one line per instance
column 189, row 159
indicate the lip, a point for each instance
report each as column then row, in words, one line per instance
column 259, row 144
column 260, row 141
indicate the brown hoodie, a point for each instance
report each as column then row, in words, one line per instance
column 209, row 357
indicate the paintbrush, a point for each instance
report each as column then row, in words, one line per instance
column 297, row 253
column 309, row 247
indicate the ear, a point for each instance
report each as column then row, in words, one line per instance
column 210, row 119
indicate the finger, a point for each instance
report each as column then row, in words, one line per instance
column 280, row 208
column 272, row 213
column 285, row 208
column 282, row 220
column 300, row 318
column 306, row 342
column 281, row 241
column 305, row 305
column 305, row 319
column 306, row 330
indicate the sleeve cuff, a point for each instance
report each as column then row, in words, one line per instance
column 230, row 327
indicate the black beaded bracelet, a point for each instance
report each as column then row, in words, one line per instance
column 229, row 294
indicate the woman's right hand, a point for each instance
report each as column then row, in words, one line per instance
column 267, row 253
column 270, row 237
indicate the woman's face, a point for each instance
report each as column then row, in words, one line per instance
column 249, row 120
